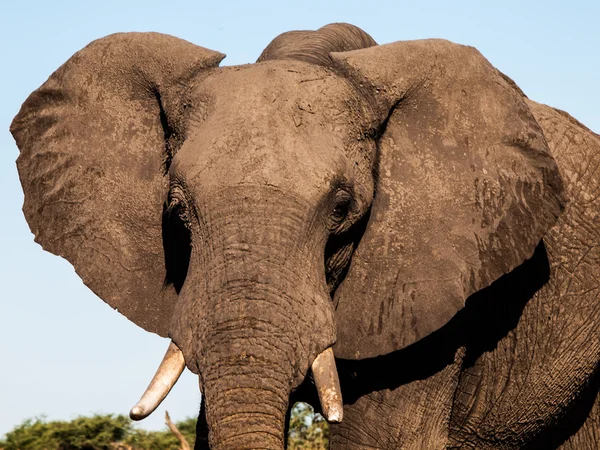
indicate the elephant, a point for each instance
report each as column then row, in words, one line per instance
column 393, row 233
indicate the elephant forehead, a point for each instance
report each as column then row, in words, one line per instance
column 220, row 154
column 270, row 124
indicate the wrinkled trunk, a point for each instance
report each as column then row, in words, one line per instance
column 247, row 371
column 246, row 410
column 250, row 360
column 255, row 314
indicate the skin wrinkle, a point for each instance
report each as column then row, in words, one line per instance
column 247, row 390
column 220, row 217
column 231, row 338
column 272, row 411
column 277, row 436
column 256, row 357
column 247, row 364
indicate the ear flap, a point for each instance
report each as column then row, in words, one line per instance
column 466, row 188
column 95, row 140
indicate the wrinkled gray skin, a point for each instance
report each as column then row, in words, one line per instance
column 405, row 203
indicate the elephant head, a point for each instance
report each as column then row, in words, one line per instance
column 336, row 194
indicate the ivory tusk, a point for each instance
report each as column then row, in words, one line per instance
column 165, row 378
column 328, row 386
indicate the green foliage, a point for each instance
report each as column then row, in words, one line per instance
column 163, row 440
column 99, row 432
column 153, row 440
column 308, row 431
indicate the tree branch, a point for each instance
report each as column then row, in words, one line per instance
column 176, row 432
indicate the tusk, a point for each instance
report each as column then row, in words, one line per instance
column 328, row 386
column 165, row 378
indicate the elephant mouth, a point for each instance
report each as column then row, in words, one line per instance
column 323, row 369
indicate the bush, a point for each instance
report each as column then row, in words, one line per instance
column 308, row 431
column 99, row 432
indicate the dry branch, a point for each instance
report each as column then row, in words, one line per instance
column 176, row 432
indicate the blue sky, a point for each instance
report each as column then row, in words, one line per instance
column 63, row 352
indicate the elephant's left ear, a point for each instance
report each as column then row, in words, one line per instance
column 465, row 190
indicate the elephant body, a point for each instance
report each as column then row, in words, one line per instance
column 404, row 206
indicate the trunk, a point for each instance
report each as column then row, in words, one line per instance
column 254, row 315
column 248, row 369
column 246, row 410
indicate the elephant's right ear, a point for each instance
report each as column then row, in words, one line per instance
column 465, row 190
column 95, row 140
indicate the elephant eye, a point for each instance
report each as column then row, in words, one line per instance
column 340, row 211
column 177, row 239
column 341, row 208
